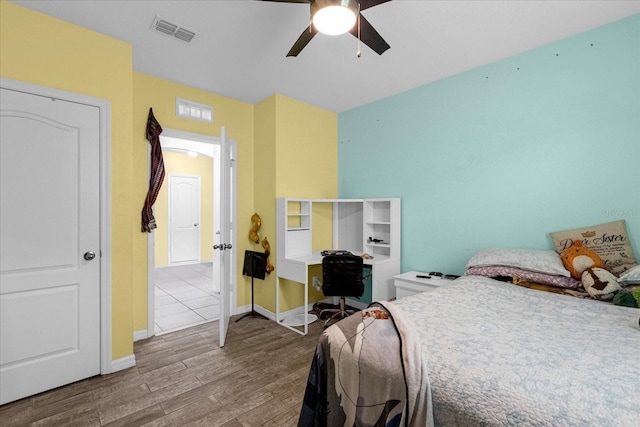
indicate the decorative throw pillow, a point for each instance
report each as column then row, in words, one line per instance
column 541, row 261
column 610, row 241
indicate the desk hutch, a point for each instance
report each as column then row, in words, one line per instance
column 361, row 226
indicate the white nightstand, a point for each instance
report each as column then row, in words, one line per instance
column 409, row 284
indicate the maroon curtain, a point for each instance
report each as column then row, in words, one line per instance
column 157, row 172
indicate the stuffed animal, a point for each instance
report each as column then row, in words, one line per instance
column 600, row 283
column 584, row 264
column 577, row 259
column 628, row 298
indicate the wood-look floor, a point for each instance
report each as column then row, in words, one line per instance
column 185, row 379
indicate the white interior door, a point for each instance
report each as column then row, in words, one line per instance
column 226, row 249
column 184, row 219
column 50, row 243
column 216, row 265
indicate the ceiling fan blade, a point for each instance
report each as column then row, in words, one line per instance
column 366, row 4
column 302, row 41
column 370, row 36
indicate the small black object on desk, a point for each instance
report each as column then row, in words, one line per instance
column 255, row 266
column 438, row 275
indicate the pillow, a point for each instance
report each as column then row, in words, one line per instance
column 540, row 261
column 609, row 241
column 531, row 276
column 631, row 276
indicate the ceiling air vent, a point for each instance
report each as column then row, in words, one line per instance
column 174, row 30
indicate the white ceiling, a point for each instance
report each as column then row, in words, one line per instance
column 240, row 47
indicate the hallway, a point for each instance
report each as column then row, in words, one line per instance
column 184, row 297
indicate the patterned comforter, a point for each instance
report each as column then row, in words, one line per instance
column 497, row 355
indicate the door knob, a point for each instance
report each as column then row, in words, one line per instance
column 222, row 246
column 89, row 255
column 195, row 225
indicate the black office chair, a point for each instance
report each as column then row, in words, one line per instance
column 341, row 277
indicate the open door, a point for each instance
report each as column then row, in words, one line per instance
column 227, row 231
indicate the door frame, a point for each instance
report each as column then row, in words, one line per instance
column 104, row 107
column 169, row 215
column 209, row 146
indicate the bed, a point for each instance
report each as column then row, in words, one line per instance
column 479, row 352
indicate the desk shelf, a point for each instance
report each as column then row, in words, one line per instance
column 382, row 222
column 354, row 221
column 298, row 215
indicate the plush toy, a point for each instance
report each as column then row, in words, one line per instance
column 600, row 283
column 584, row 264
column 628, row 298
column 578, row 258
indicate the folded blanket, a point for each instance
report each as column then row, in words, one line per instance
column 368, row 370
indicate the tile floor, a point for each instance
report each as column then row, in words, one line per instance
column 184, row 297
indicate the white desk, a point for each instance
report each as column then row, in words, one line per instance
column 296, row 269
column 357, row 225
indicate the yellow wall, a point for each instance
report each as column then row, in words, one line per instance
column 38, row 49
column 264, row 201
column 309, row 133
column 235, row 116
column 296, row 156
column 295, row 147
column 182, row 163
column 307, row 152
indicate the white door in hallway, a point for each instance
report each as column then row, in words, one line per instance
column 184, row 218
column 50, row 243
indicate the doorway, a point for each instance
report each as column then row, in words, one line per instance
column 184, row 296
column 185, row 291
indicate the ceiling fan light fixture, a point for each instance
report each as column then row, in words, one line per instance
column 334, row 17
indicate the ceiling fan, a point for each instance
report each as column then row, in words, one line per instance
column 346, row 12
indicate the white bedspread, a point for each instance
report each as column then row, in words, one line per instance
column 499, row 354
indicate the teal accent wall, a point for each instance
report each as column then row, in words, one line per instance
column 367, row 296
column 501, row 155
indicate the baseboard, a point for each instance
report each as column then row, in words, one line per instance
column 140, row 335
column 259, row 309
column 123, row 363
